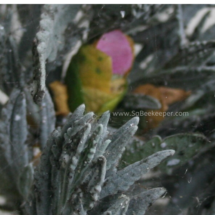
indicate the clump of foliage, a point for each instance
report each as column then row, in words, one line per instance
column 83, row 168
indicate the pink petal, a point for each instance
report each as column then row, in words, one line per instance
column 116, row 45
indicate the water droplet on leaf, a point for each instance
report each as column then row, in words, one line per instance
column 173, row 162
column 122, row 13
column 17, row 117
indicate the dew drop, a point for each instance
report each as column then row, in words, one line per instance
column 17, row 117
column 163, row 145
column 173, row 162
column 122, row 13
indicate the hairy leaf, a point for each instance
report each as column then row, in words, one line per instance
column 54, row 20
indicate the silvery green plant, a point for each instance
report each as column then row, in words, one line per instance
column 83, row 169
column 77, row 173
column 78, row 170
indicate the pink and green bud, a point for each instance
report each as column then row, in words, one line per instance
column 118, row 46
